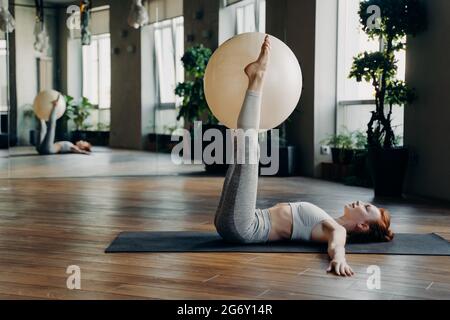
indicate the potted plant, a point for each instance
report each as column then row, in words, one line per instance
column 287, row 153
column 341, row 147
column 194, row 106
column 358, row 172
column 399, row 18
column 78, row 113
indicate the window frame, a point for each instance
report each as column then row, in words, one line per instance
column 159, row 26
column 4, row 56
column 96, row 38
column 343, row 101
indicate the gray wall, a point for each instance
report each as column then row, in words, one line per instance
column 126, row 112
column 309, row 28
column 205, row 30
column 427, row 121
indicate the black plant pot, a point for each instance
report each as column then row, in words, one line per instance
column 216, row 167
column 387, row 168
column 78, row 135
column 342, row 156
column 34, row 137
column 360, row 175
column 96, row 138
column 287, row 161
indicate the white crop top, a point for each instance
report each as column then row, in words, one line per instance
column 305, row 216
column 66, row 146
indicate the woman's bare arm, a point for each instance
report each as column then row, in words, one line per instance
column 75, row 149
column 335, row 235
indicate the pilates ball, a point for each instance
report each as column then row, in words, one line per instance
column 225, row 81
column 44, row 101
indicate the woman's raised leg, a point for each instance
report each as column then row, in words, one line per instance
column 237, row 218
column 47, row 144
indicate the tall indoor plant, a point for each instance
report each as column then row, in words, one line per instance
column 78, row 112
column 399, row 18
column 194, row 106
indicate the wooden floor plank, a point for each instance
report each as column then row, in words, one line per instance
column 48, row 223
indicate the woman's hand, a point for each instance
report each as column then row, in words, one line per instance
column 340, row 267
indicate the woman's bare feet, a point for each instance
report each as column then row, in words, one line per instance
column 256, row 71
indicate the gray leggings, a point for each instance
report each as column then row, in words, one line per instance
column 46, row 143
column 237, row 219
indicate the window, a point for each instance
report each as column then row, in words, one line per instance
column 241, row 16
column 97, row 71
column 356, row 99
column 246, row 18
column 169, row 49
column 45, row 72
column 3, row 77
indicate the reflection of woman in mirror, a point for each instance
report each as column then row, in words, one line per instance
column 47, row 144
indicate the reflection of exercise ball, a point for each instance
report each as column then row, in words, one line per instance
column 225, row 81
column 44, row 101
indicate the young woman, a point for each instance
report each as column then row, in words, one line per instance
column 47, row 143
column 238, row 220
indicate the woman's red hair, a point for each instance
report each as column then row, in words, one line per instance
column 379, row 231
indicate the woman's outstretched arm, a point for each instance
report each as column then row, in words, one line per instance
column 336, row 236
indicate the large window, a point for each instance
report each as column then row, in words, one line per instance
column 169, row 49
column 356, row 99
column 97, row 71
column 3, row 77
column 251, row 16
column 236, row 17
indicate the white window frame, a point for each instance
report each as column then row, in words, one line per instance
column 96, row 38
column 228, row 20
column 343, row 72
column 4, row 57
column 173, row 23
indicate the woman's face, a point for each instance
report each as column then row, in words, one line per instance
column 360, row 212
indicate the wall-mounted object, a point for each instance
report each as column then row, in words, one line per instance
column 138, row 16
column 190, row 38
column 207, row 34
column 116, row 51
column 7, row 23
column 199, row 14
column 39, row 32
column 85, row 11
column 131, row 48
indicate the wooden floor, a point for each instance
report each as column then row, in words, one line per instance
column 48, row 224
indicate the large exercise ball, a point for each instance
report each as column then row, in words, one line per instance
column 225, row 81
column 44, row 101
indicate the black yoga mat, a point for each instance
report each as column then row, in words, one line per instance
column 187, row 241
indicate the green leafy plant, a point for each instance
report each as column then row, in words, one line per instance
column 28, row 112
column 78, row 112
column 343, row 141
column 194, row 104
column 359, row 140
column 399, row 18
column 103, row 126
